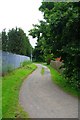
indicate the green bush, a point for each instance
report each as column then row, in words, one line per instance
column 25, row 63
column 48, row 58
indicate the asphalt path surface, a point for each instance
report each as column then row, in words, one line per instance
column 41, row 98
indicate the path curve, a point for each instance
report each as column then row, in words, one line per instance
column 43, row 99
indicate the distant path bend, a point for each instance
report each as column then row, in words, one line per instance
column 43, row 99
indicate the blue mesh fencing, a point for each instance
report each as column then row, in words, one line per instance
column 11, row 61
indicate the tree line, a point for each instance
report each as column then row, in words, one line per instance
column 58, row 35
column 16, row 41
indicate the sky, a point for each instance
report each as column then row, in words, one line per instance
column 20, row 13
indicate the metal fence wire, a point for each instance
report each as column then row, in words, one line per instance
column 11, row 61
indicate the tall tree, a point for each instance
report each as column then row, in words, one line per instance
column 60, row 36
column 4, row 40
column 16, row 41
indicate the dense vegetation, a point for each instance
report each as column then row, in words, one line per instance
column 16, row 41
column 58, row 35
column 59, row 80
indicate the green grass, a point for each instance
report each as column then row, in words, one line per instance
column 11, row 84
column 0, row 98
column 58, row 79
column 42, row 71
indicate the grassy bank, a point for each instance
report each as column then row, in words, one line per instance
column 58, row 79
column 0, row 97
column 11, row 84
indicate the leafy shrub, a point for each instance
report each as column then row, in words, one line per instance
column 48, row 58
column 25, row 63
column 71, row 72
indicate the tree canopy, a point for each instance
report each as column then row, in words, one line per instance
column 58, row 35
column 16, row 41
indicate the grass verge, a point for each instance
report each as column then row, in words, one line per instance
column 42, row 71
column 61, row 82
column 11, row 84
column 0, row 97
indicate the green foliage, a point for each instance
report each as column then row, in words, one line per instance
column 4, row 40
column 23, row 64
column 59, row 79
column 59, row 34
column 38, row 54
column 16, row 41
column 48, row 58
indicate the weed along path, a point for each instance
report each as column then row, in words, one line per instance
column 43, row 99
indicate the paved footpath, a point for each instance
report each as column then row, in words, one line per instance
column 43, row 99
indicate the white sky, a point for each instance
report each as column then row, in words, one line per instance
column 20, row 13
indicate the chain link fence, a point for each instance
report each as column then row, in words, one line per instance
column 10, row 61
